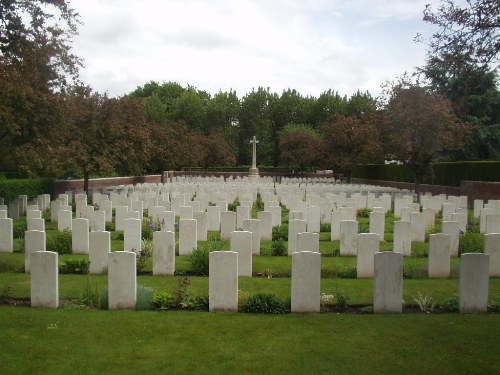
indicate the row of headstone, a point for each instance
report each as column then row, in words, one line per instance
column 223, row 281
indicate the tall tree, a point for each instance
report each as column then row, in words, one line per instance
column 424, row 126
column 298, row 146
column 211, row 150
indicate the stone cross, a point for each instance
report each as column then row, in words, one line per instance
column 254, row 142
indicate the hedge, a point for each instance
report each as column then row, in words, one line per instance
column 445, row 174
column 11, row 189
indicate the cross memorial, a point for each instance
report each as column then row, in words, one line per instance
column 254, row 171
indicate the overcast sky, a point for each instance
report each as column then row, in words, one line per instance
column 214, row 45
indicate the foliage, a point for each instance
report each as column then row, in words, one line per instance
column 143, row 255
column 103, row 299
column 163, row 300
column 180, row 293
column 211, row 150
column 259, row 203
column 280, row 232
column 59, row 241
column 348, row 273
column 199, row 259
column 355, row 139
column 451, row 304
column 278, row 248
column 363, row 212
column 11, row 189
column 232, row 206
column 325, row 227
column 89, row 297
column 425, row 303
column 423, row 126
column 263, row 303
column 144, row 298
column 470, row 243
column 5, row 293
column 298, row 147
column 19, row 226
column 148, row 226
column 74, row 266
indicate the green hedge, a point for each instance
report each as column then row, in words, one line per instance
column 446, row 174
column 11, row 189
column 243, row 168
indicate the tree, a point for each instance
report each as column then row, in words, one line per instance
column 352, row 140
column 190, row 108
column 298, row 146
column 423, row 126
column 471, row 31
column 211, row 150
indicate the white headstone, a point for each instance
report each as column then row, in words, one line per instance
column 163, row 253
column 474, row 282
column 34, row 240
column 348, row 238
column 99, row 249
column 252, row 225
column 44, row 279
column 368, row 246
column 223, row 281
column 388, row 282
column 80, row 236
column 122, row 280
column 132, row 235
column 294, row 227
column 306, row 273
column 188, row 240
column 492, row 248
column 241, row 243
column 6, row 235
column 439, row 256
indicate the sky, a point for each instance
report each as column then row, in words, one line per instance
column 221, row 45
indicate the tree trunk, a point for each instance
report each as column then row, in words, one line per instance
column 86, row 182
column 417, row 185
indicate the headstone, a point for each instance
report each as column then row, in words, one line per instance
column 227, row 224
column 201, row 225
column 34, row 241
column 377, row 224
column 276, row 212
column 213, row 213
column 132, row 235
column 448, row 210
column 98, row 221
column 348, row 238
column 335, row 225
column 13, row 210
column 54, row 210
column 122, row 280
column 188, row 240
column 368, row 246
column 402, row 237
column 308, row 241
column 99, row 249
column 478, row 206
column 266, row 225
column 306, row 273
column 6, row 235
column 294, row 227
column 295, row 215
column 186, row 212
column 462, row 220
column 417, row 227
column 242, row 214
column 241, row 243
column 44, row 279
column 492, row 248
column 473, row 283
column 482, row 218
column 80, row 236
column 223, row 281
column 451, row 229
column 252, row 225
column 439, row 256
column 163, row 253
column 36, row 224
column 64, row 220
column 388, row 282
column 313, row 219
column 33, row 214
column 492, row 223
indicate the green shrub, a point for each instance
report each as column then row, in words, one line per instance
column 363, row 212
column 200, row 303
column 325, row 227
column 232, row 206
column 59, row 241
column 11, row 189
column 199, row 259
column 89, row 297
column 278, row 248
column 348, row 273
column 163, row 300
column 103, row 299
column 263, row 303
column 451, row 304
column 471, row 243
column 144, row 300
column 280, row 232
column 259, row 203
column 143, row 255
column 77, row 266
column 148, row 226
column 19, row 227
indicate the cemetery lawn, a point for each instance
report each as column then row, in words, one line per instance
column 65, row 341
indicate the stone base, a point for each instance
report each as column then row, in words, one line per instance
column 253, row 172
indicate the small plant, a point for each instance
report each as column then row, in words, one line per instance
column 180, row 293
column 200, row 303
column 143, row 255
column 278, row 248
column 325, row 227
column 451, row 304
column 59, row 241
column 425, row 303
column 470, row 243
column 327, row 299
column 163, row 301
column 268, row 273
column 144, row 300
column 262, row 303
column 148, row 227
column 350, row 272
column 5, row 294
column 75, row 266
column 199, row 259
column 259, row 203
column 103, row 299
column 363, row 212
column 366, row 310
column 280, row 232
column 232, row 206
column 341, row 298
column 89, row 297
column 18, row 228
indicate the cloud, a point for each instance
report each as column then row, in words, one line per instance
column 222, row 44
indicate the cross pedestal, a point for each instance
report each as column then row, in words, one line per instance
column 254, row 171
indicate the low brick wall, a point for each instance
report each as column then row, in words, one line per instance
column 76, row 186
column 480, row 190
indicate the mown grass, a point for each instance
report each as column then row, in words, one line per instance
column 39, row 341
